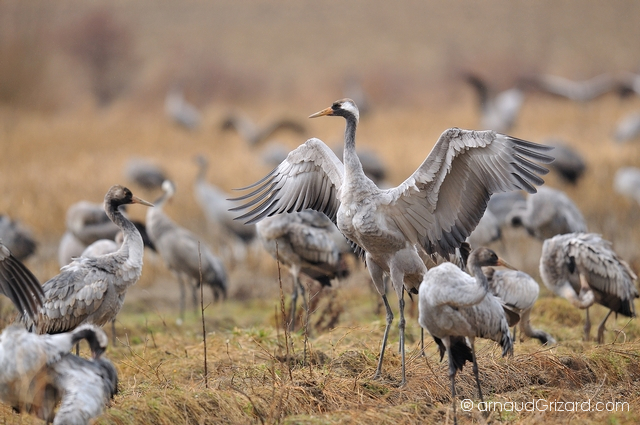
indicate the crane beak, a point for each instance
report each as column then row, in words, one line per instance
column 136, row 200
column 324, row 112
column 503, row 263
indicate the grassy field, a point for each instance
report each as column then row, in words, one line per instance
column 290, row 58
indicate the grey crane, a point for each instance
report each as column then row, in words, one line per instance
column 518, row 292
column 18, row 284
column 17, row 238
column 454, row 306
column 306, row 242
column 215, row 206
column 569, row 163
column 498, row 111
column 578, row 91
column 254, row 134
column 92, row 289
column 584, row 269
column 37, row 372
column 627, row 182
column 145, row 173
column 434, row 210
column 184, row 253
column 180, row 111
column 548, row 213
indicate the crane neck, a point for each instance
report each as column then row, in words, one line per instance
column 475, row 269
column 351, row 161
column 129, row 230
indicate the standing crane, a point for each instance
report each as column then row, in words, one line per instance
column 454, row 306
column 92, row 289
column 584, row 269
column 306, row 242
column 434, row 210
column 183, row 253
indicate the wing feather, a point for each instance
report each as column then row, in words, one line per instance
column 458, row 177
column 310, row 177
column 72, row 296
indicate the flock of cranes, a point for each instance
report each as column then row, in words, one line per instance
column 310, row 212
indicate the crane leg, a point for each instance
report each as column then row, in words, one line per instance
column 601, row 327
column 401, row 326
column 475, row 369
column 397, row 279
column 378, row 373
column 587, row 326
column 113, row 332
column 452, row 377
column 377, row 276
column 305, row 305
column 183, row 297
column 294, row 299
column 422, row 342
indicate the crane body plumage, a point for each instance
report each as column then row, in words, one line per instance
column 434, row 210
column 584, row 269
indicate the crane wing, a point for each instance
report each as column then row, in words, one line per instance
column 310, row 177
column 443, row 200
column 72, row 296
column 19, row 284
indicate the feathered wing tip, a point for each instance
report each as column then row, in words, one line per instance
column 507, row 341
column 460, row 351
column 19, row 284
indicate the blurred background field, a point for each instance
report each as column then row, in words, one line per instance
column 82, row 90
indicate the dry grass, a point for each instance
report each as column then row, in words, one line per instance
column 269, row 63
